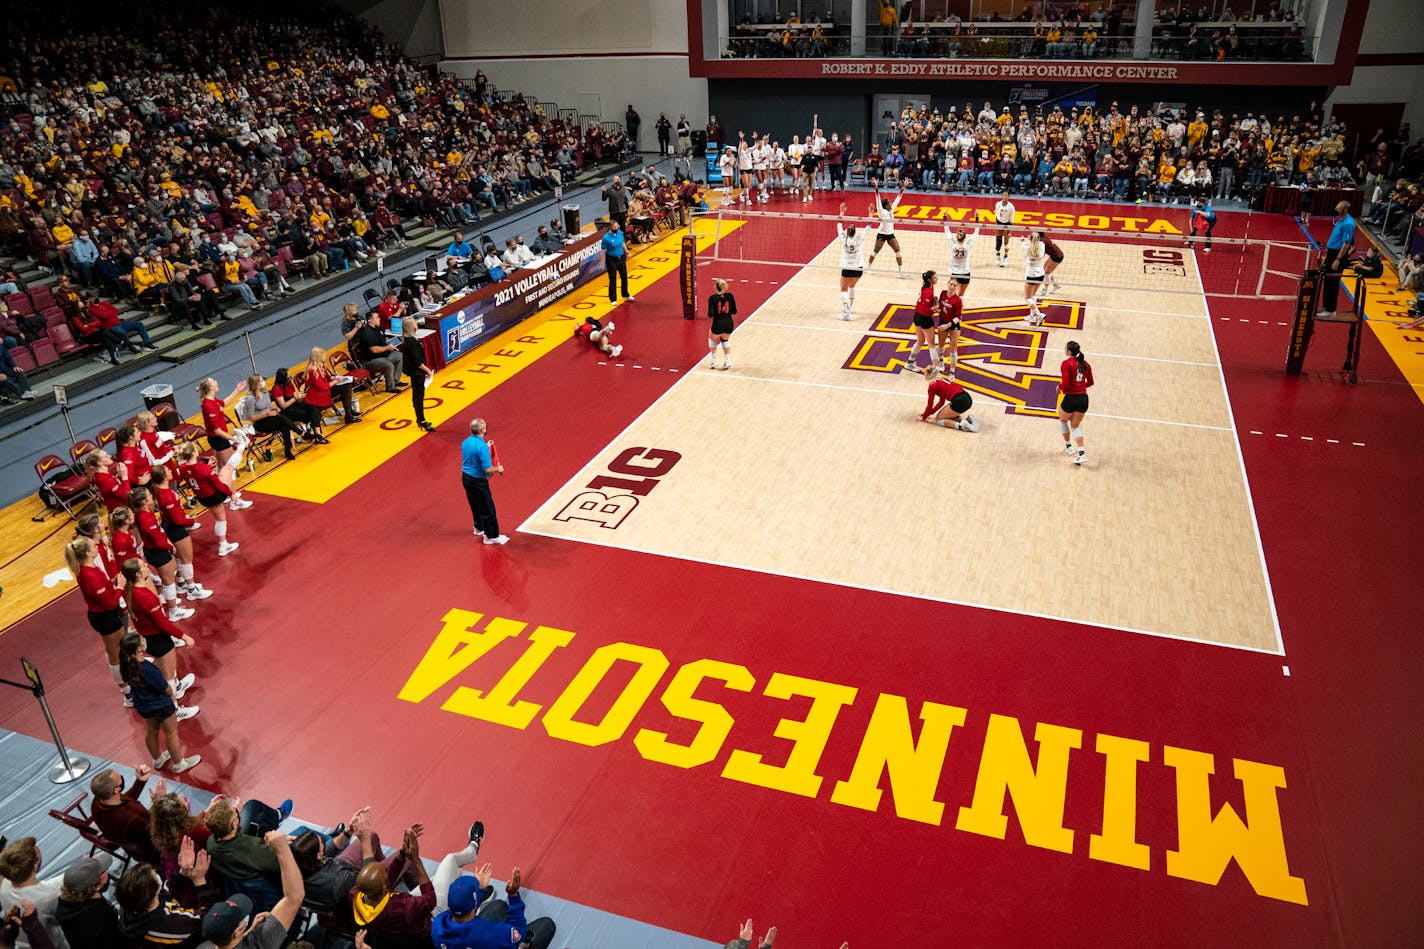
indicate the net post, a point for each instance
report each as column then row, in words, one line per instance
column 1303, row 326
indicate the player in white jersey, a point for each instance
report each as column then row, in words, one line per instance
column 744, row 166
column 852, row 261
column 728, row 166
column 1003, row 217
column 884, row 209
column 794, row 152
column 761, row 163
column 816, row 143
column 960, row 245
column 778, row 167
column 1035, row 254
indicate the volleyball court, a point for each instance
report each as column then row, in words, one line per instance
column 808, row 459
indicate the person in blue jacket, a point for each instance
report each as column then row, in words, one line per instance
column 477, row 921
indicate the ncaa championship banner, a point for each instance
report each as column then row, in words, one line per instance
column 471, row 320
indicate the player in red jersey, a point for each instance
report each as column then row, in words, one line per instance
column 109, row 479
column 158, row 548
column 155, row 445
column 212, row 491
column 93, row 529
column 225, row 438
column 1055, row 258
column 121, row 535
column 160, row 636
column 103, row 597
column 598, row 334
column 131, row 456
column 926, row 309
column 951, row 310
column 947, row 403
column 1077, row 378
column 177, row 524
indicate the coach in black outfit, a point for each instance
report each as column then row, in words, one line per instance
column 413, row 362
column 617, row 197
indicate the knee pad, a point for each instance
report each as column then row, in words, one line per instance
column 1077, row 433
column 1063, row 426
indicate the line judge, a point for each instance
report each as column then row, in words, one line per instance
column 476, row 465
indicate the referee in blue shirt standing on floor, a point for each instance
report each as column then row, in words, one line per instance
column 1337, row 253
column 615, row 260
column 475, row 468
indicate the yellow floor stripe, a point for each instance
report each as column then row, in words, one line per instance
column 1387, row 308
column 389, row 428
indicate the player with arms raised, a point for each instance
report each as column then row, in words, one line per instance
column 852, row 261
column 884, row 209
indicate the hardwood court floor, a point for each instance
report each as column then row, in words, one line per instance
column 793, row 464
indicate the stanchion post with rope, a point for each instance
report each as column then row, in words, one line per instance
column 68, row 768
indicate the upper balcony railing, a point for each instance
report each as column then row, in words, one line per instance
column 1199, row 41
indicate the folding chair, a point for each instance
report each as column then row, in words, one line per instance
column 106, row 437
column 79, row 449
column 170, row 421
column 341, row 364
column 72, row 492
column 72, row 815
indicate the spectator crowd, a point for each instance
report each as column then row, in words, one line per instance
column 227, row 877
column 199, row 158
column 1130, row 153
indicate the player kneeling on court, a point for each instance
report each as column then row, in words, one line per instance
column 598, row 333
column 948, row 403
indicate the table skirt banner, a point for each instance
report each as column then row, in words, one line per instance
column 469, row 321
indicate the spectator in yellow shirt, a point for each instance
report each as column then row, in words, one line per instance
column 150, row 278
column 1196, row 131
column 380, row 112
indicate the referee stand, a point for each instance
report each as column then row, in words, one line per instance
column 1313, row 284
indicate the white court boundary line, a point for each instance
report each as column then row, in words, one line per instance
column 1241, row 460
column 699, row 370
column 524, row 528
column 861, row 288
column 890, row 334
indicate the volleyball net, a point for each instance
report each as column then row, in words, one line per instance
column 1093, row 257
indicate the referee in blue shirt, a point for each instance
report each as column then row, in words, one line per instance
column 615, row 260
column 1337, row 252
column 475, row 469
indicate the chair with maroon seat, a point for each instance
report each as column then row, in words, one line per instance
column 64, row 341
column 106, row 437
column 44, row 352
column 288, row 264
column 72, row 815
column 170, row 421
column 19, row 304
column 79, row 449
column 340, row 363
column 42, row 297
column 54, row 316
column 72, row 491
column 24, row 359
